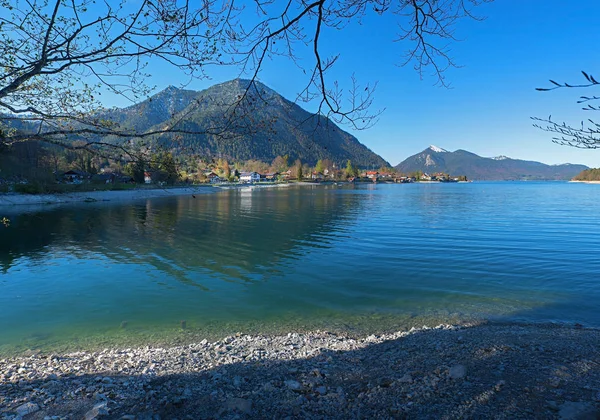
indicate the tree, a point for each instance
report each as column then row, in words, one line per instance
column 170, row 168
column 298, row 169
column 59, row 57
column 280, row 164
column 136, row 170
column 165, row 167
column 582, row 136
column 350, row 170
column 226, row 170
column 319, row 167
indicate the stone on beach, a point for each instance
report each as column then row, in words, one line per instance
column 457, row 372
column 27, row 408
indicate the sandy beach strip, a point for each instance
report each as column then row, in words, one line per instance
column 491, row 371
column 586, row 182
column 12, row 199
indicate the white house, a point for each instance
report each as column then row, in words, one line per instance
column 249, row 177
column 148, row 177
column 213, row 178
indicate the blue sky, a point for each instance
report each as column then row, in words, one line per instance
column 519, row 46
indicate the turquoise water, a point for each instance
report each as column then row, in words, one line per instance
column 362, row 258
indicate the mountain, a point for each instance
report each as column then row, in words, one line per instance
column 460, row 162
column 262, row 126
column 153, row 111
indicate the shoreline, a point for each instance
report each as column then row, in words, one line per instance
column 585, row 182
column 19, row 199
column 471, row 371
column 16, row 199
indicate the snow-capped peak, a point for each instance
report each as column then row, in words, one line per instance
column 501, row 157
column 437, row 149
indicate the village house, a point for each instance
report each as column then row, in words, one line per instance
column 148, row 177
column 249, row 177
column 213, row 178
column 372, row 174
column 406, row 179
column 76, row 176
column 271, row 176
column 317, row 176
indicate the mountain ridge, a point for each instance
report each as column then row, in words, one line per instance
column 266, row 125
column 500, row 168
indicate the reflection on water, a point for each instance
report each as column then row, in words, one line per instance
column 377, row 255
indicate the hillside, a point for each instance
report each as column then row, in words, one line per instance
column 592, row 174
column 461, row 162
column 263, row 126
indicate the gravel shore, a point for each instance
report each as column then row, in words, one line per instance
column 483, row 371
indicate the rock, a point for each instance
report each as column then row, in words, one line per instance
column 457, row 372
column 27, row 408
column 99, row 410
column 578, row 411
column 499, row 385
column 554, row 382
column 239, row 404
column 321, row 390
column 406, row 379
column 551, row 404
column 293, row 385
column 385, row 382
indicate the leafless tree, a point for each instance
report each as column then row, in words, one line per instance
column 58, row 56
column 584, row 136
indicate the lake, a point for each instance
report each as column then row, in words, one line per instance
column 361, row 259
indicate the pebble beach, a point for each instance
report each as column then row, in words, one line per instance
column 495, row 371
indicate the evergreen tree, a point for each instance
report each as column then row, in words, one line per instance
column 350, row 171
column 168, row 166
column 136, row 170
column 299, row 173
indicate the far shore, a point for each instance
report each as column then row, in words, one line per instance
column 586, row 182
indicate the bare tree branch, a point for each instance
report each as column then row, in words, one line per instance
column 58, row 56
column 582, row 137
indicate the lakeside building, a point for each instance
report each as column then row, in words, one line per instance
column 249, row 177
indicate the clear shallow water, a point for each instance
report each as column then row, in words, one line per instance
column 362, row 258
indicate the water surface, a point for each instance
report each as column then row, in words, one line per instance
column 361, row 259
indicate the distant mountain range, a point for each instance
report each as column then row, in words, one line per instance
column 461, row 162
column 264, row 125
